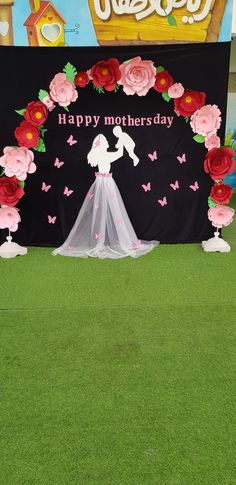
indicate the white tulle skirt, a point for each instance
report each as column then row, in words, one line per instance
column 103, row 228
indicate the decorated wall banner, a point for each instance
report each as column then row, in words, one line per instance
column 155, row 123
column 113, row 22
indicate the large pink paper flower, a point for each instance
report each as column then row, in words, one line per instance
column 206, row 120
column 62, row 90
column 137, row 76
column 212, row 141
column 220, row 216
column 9, row 218
column 17, row 161
column 176, row 90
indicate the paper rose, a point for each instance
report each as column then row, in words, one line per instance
column 137, row 76
column 219, row 162
column 18, row 162
column 176, row 90
column 36, row 113
column 207, row 120
column 221, row 193
column 49, row 103
column 9, row 218
column 106, row 74
column 220, row 216
column 212, row 141
column 10, row 191
column 81, row 79
column 189, row 102
column 62, row 90
column 27, row 135
column 163, row 81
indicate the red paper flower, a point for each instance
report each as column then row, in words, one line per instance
column 163, row 81
column 221, row 193
column 27, row 135
column 189, row 102
column 105, row 74
column 219, row 162
column 81, row 79
column 10, row 191
column 36, row 113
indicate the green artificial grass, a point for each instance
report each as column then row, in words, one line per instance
column 119, row 372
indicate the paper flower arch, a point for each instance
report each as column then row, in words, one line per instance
column 136, row 77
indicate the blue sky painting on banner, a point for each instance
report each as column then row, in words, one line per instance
column 90, row 23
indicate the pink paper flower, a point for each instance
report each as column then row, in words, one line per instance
column 9, row 218
column 17, row 161
column 176, row 90
column 49, row 103
column 137, row 76
column 62, row 90
column 212, row 141
column 206, row 120
column 220, row 216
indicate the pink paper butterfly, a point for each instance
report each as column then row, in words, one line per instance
column 98, row 236
column 70, row 247
column 175, row 186
column 90, row 196
column 51, row 219
column 137, row 243
column 153, row 156
column 182, row 159
column 147, row 187
column 96, row 206
column 195, row 186
column 67, row 191
column 120, row 221
column 71, row 141
column 45, row 188
column 163, row 201
column 57, row 163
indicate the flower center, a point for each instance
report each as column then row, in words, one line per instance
column 29, row 135
column 80, row 78
column 163, row 81
column 188, row 99
column 219, row 191
column 38, row 115
column 104, row 71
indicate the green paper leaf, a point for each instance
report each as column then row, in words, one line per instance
column 42, row 94
column 199, row 138
column 211, row 202
column 70, row 71
column 186, row 119
column 41, row 146
column 42, row 130
column 20, row 111
column 172, row 21
column 160, row 69
column 117, row 88
column 66, row 108
column 21, row 183
column 99, row 90
column 166, row 97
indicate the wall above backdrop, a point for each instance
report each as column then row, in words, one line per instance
column 113, row 22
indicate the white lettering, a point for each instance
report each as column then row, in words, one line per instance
column 144, row 8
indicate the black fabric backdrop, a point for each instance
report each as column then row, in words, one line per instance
column 202, row 67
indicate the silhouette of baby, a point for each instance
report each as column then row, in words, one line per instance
column 128, row 143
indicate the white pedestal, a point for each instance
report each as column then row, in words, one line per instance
column 215, row 244
column 11, row 249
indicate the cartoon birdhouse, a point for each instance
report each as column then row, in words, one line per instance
column 45, row 25
column 6, row 32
